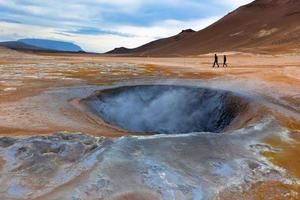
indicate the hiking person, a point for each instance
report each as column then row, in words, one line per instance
column 225, row 61
column 216, row 62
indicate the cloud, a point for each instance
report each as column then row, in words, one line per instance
column 100, row 25
column 97, row 31
column 236, row 3
column 10, row 21
column 166, row 27
column 103, row 40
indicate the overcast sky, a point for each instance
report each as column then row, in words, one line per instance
column 101, row 25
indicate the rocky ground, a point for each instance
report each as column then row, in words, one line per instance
column 53, row 147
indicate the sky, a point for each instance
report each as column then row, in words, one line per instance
column 102, row 25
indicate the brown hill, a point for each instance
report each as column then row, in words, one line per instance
column 261, row 26
column 120, row 50
column 158, row 45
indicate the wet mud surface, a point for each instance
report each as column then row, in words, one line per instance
column 192, row 166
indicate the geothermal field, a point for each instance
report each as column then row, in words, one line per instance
column 79, row 126
column 155, row 122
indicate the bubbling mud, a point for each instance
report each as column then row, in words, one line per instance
column 167, row 109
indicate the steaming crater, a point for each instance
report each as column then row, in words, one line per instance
column 167, row 109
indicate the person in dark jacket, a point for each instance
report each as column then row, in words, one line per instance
column 216, row 62
column 225, row 61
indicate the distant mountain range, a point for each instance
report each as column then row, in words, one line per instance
column 42, row 45
column 263, row 26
